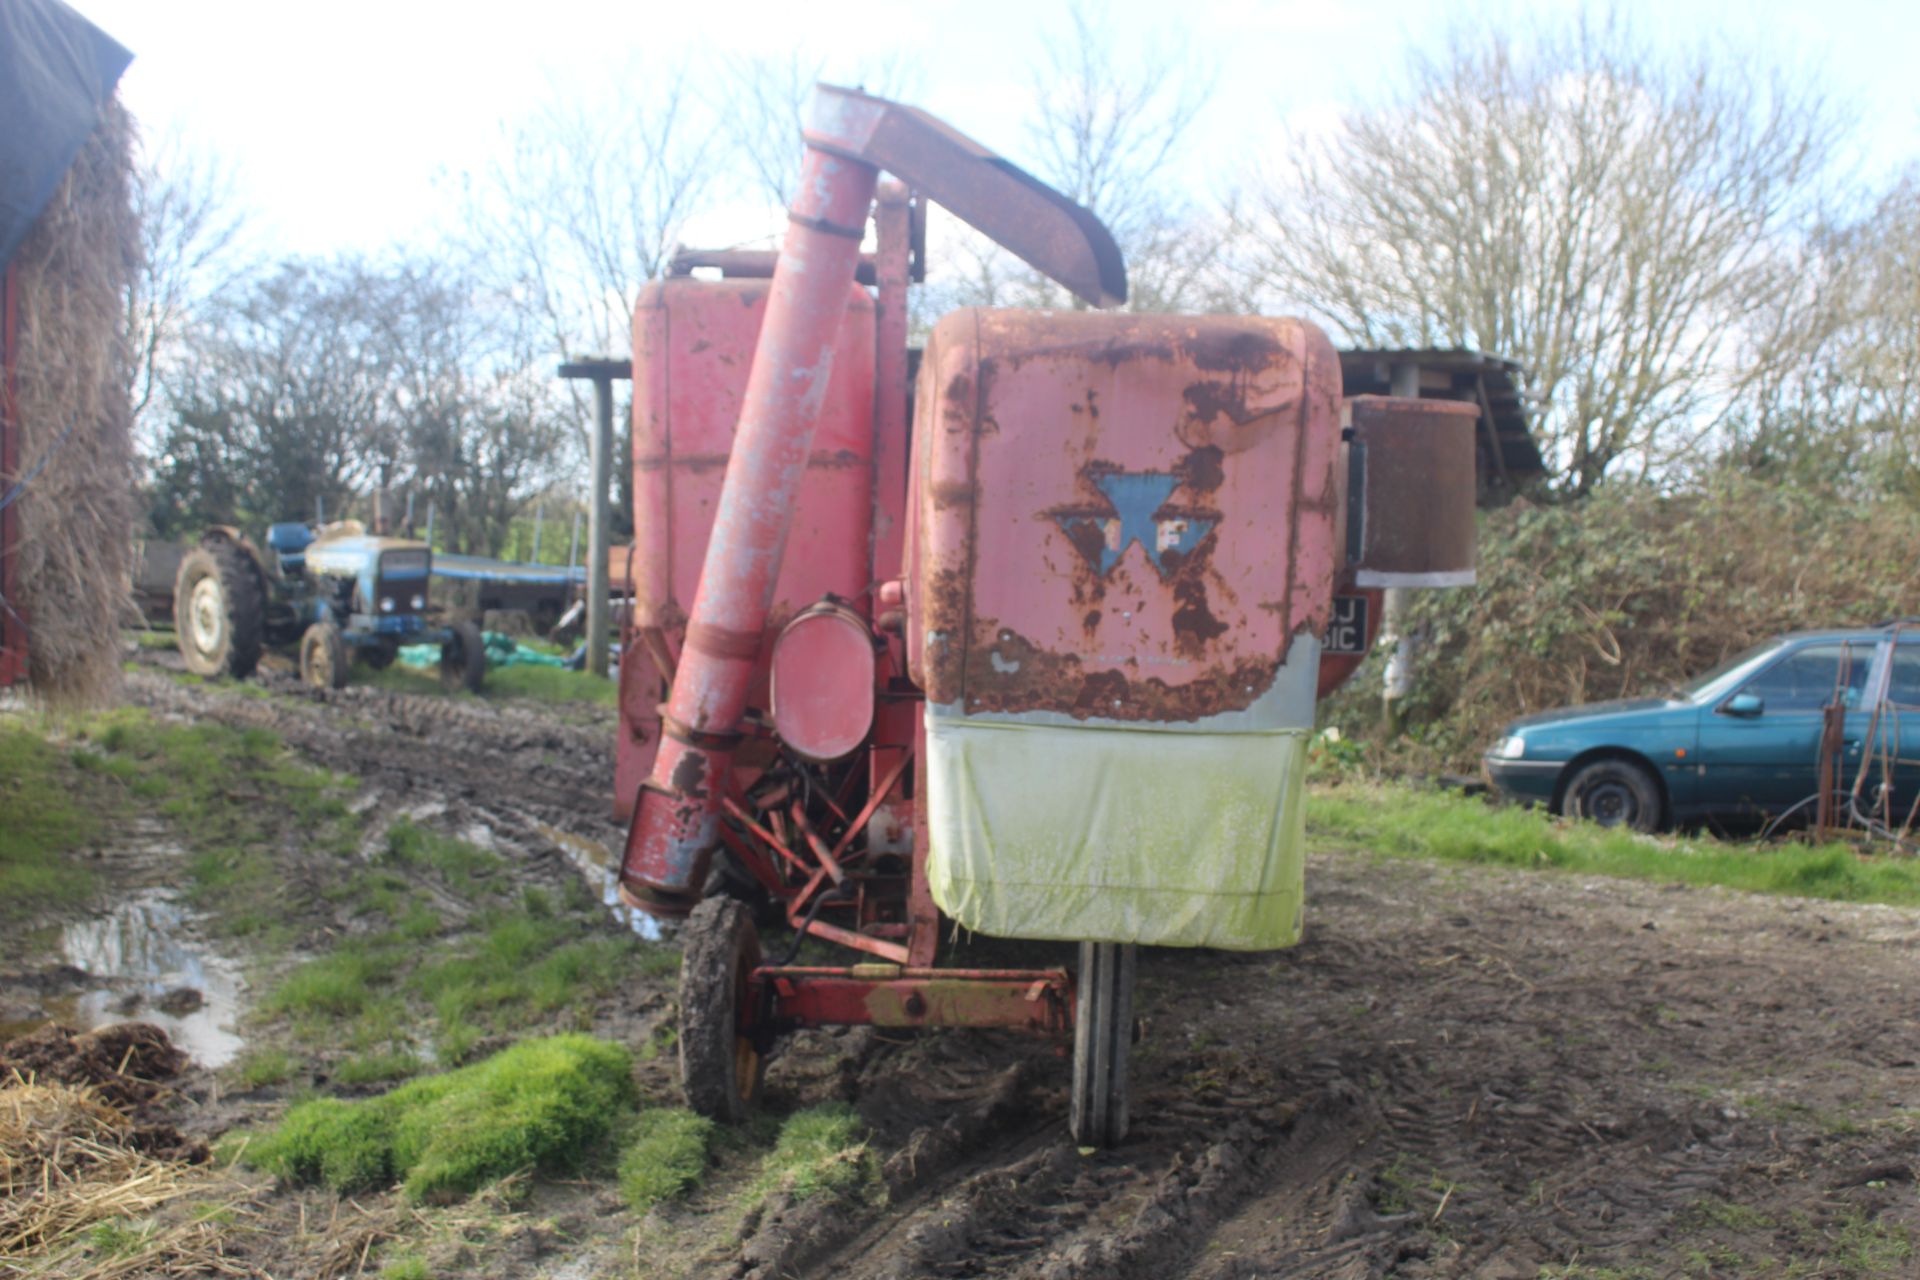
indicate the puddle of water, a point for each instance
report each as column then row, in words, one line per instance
column 602, row 870
column 148, row 945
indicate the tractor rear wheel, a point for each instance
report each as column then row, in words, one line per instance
column 218, row 608
column 463, row 659
column 1102, row 1042
column 720, row 1069
column 323, row 657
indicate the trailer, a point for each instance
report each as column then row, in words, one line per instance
column 1040, row 662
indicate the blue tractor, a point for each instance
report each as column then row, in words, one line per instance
column 336, row 592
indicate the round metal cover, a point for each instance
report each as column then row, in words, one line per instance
column 823, row 671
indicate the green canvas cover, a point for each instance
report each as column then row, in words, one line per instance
column 1182, row 839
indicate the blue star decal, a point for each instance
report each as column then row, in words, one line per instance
column 1136, row 498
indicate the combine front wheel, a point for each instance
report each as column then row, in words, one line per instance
column 720, row 1070
column 1102, row 1038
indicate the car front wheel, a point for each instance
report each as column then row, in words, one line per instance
column 1614, row 793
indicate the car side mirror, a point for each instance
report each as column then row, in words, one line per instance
column 1744, row 705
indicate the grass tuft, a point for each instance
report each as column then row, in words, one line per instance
column 665, row 1156
column 543, row 1105
column 822, row 1149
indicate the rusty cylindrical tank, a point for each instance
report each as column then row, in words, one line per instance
column 673, row 829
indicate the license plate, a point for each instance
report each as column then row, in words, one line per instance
column 1347, row 629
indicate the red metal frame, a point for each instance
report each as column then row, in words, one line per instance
column 13, row 631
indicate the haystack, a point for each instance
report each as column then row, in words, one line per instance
column 69, row 249
column 76, row 511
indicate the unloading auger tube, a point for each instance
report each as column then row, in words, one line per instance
column 850, row 137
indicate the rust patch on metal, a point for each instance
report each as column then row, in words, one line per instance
column 1201, row 470
column 1006, row 673
column 689, row 777
column 947, row 493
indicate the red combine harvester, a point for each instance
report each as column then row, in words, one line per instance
column 1043, row 665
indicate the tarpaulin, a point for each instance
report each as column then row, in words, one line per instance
column 1187, row 839
column 56, row 72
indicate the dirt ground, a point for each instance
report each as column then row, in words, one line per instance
column 1461, row 1072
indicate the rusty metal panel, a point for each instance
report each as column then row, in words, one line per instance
column 1119, row 518
column 1413, row 461
column 693, row 344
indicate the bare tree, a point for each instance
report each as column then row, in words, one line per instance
column 1835, row 404
column 191, row 230
column 589, row 199
column 1105, row 128
column 1612, row 219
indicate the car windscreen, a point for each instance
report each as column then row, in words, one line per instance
column 1703, row 685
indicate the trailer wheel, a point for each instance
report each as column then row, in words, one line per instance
column 720, row 1069
column 323, row 657
column 463, row 659
column 218, row 604
column 1102, row 1040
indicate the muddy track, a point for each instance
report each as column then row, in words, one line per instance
column 1461, row 1072
column 513, row 766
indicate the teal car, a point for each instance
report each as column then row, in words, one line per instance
column 1738, row 744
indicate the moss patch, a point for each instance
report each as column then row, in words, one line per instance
column 545, row 1105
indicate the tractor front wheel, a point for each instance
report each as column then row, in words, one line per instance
column 1102, row 1041
column 323, row 657
column 720, row 1069
column 463, row 659
column 218, row 607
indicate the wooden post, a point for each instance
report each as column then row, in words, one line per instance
column 599, row 502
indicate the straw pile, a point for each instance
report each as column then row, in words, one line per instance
column 76, row 517
column 75, row 1193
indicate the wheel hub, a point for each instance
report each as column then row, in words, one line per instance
column 206, row 615
column 1610, row 804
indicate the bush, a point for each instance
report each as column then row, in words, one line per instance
column 1634, row 590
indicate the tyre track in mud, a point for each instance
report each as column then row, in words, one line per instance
column 514, row 769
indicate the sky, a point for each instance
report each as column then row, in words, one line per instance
column 345, row 122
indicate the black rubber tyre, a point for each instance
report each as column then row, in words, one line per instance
column 378, row 657
column 218, row 609
column 1614, row 793
column 463, row 659
column 323, row 657
column 1102, row 1042
column 720, row 1070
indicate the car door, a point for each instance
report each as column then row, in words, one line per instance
column 1895, row 739
column 1760, row 745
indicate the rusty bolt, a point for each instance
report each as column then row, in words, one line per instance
column 916, row 1005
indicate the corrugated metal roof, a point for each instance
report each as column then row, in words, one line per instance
column 1509, row 458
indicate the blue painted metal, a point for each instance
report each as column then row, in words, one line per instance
column 1137, row 498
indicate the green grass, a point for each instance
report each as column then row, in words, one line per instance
column 264, row 1066
column 407, row 1267
column 506, row 969
column 45, row 823
column 665, row 1156
column 822, row 1150
column 1403, row 822
column 546, row 1105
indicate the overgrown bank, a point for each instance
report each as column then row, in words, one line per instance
column 1633, row 590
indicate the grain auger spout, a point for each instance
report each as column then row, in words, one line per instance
column 850, row 138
